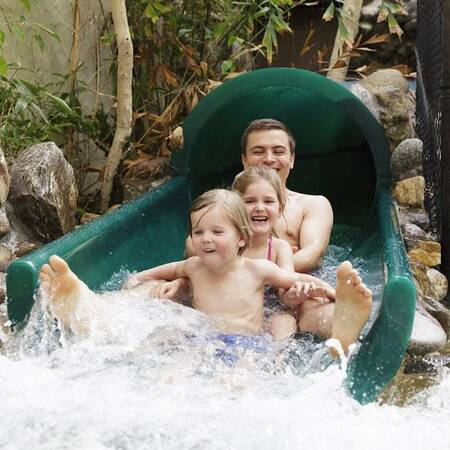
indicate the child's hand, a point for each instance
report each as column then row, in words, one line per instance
column 166, row 289
column 302, row 291
column 299, row 292
column 177, row 290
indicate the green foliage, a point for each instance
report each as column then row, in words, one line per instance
column 388, row 10
column 30, row 113
column 180, row 45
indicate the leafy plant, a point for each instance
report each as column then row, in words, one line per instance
column 30, row 113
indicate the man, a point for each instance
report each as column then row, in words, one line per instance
column 307, row 220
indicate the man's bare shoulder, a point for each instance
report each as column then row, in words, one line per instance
column 308, row 201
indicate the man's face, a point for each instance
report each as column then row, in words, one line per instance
column 269, row 148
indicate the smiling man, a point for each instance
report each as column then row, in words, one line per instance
column 307, row 219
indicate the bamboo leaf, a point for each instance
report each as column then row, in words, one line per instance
column 382, row 15
column 2, row 37
column 26, row 4
column 60, row 103
column 377, row 39
column 18, row 32
column 3, row 66
column 49, row 31
column 394, row 27
column 329, row 13
column 344, row 33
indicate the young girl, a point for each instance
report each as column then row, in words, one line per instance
column 260, row 189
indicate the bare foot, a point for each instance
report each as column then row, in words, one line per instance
column 352, row 307
column 64, row 290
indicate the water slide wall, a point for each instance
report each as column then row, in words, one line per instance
column 341, row 153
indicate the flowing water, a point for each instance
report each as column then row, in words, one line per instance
column 151, row 377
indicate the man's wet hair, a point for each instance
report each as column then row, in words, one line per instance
column 266, row 125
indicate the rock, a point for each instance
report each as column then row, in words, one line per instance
column 88, row 217
column 410, row 191
column 367, row 98
column 383, row 78
column 406, row 159
column 439, row 312
column 413, row 231
column 4, row 179
column 430, row 283
column 23, row 248
column 6, row 256
column 427, row 334
column 423, row 285
column 426, row 252
column 419, row 218
column 397, row 108
column 428, row 363
column 43, row 191
column 439, row 283
column 4, row 223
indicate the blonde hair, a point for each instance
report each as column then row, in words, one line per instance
column 255, row 173
column 233, row 207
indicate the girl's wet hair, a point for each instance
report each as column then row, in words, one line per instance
column 256, row 173
column 233, row 207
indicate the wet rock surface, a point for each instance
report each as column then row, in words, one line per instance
column 43, row 191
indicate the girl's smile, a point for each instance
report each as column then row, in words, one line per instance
column 262, row 205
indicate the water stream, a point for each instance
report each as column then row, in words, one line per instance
column 149, row 377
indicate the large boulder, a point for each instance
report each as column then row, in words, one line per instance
column 4, row 190
column 397, row 107
column 427, row 334
column 4, row 179
column 43, row 191
column 406, row 159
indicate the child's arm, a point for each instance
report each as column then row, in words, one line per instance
column 170, row 271
column 178, row 290
column 304, row 277
column 285, row 259
column 302, row 289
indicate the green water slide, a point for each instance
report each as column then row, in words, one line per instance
column 341, row 153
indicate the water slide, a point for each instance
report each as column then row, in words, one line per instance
column 341, row 153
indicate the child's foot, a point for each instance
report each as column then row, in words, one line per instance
column 64, row 290
column 352, row 307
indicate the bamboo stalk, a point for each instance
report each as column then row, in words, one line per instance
column 338, row 66
column 124, row 98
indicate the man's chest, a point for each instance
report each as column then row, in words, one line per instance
column 289, row 224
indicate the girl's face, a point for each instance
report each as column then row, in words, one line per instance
column 214, row 237
column 262, row 205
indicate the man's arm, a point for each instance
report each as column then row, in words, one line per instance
column 314, row 234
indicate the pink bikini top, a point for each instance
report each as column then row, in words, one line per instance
column 269, row 251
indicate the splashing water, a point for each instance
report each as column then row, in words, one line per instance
column 150, row 376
